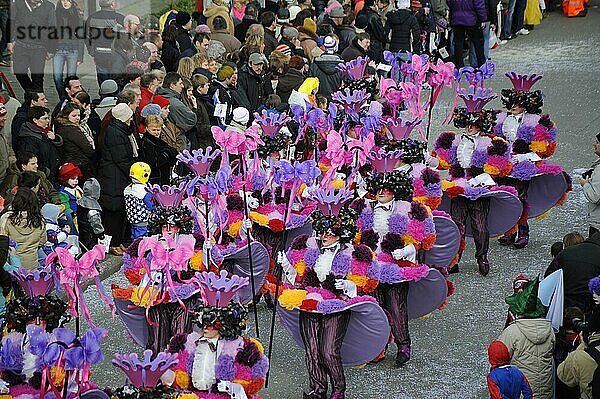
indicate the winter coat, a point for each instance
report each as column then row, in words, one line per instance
column 578, row 369
column 579, row 264
column 353, row 51
column 439, row 8
column 21, row 18
column 73, row 39
column 508, row 382
column 116, row 157
column 213, row 10
column 17, row 123
column 230, row 42
column 324, row 68
column 46, row 193
column 6, row 154
column 591, row 191
column 33, row 139
column 377, row 32
column 256, row 87
column 28, row 239
column 290, row 80
column 467, row 12
column 204, row 111
column 89, row 219
column 242, row 28
column 170, row 55
column 183, row 117
column 346, row 35
column 531, row 344
column 96, row 23
column 308, row 41
column 76, row 149
column 403, row 24
column 184, row 41
column 160, row 156
column 223, row 95
column 270, row 42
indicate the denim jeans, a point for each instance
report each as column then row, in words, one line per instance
column 3, row 31
column 519, row 15
column 486, row 47
column 68, row 56
column 507, row 20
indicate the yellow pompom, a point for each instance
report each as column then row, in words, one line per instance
column 57, row 375
column 339, row 184
column 196, row 262
column 259, row 218
column 292, row 299
column 443, row 165
column 324, row 168
column 409, row 240
column 538, row 146
column 357, row 238
column 144, row 296
column 446, row 184
column 360, row 281
column 260, row 346
column 491, row 170
column 301, row 189
column 300, row 267
column 234, row 229
column 182, row 379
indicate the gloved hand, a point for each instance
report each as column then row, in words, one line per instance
column 234, row 390
column 288, row 270
column 430, row 160
column 408, row 253
column 246, row 229
column 347, row 286
column 482, row 180
column 207, row 245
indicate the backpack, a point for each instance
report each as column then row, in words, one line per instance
column 595, row 384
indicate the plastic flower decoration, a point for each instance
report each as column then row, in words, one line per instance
column 199, row 161
column 271, row 122
column 167, row 195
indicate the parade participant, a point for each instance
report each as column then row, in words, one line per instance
column 69, row 191
column 504, row 380
column 473, row 159
column 532, row 137
column 138, row 201
column 328, row 272
column 397, row 228
column 217, row 361
column 56, row 235
column 90, row 225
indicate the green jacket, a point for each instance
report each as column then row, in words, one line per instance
column 47, row 192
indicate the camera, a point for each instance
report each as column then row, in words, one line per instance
column 587, row 174
column 582, row 327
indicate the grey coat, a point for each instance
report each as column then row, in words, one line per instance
column 591, row 191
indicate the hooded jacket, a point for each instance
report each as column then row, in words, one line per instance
column 377, row 32
column 308, row 41
column 230, row 42
column 505, row 381
column 89, row 220
column 324, row 68
column 467, row 12
column 290, row 80
column 531, row 344
column 183, row 117
column 403, row 24
column 28, row 239
column 76, row 148
column 33, row 139
column 346, row 35
column 213, row 10
column 257, row 87
column 578, row 369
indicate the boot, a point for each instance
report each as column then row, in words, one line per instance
column 484, row 266
column 314, row 395
column 337, row 395
column 521, row 242
column 403, row 356
column 507, row 239
column 453, row 269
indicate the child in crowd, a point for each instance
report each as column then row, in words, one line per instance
column 505, row 381
column 56, row 236
column 69, row 191
column 155, row 152
column 90, row 225
column 138, row 202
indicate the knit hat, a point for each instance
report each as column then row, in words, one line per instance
column 310, row 25
column 330, row 44
column 108, row 87
column 361, row 22
column 182, row 18
column 67, row 171
column 255, row 59
column 283, row 15
column 50, row 212
column 203, row 29
column 160, row 101
column 294, row 10
column 282, row 48
column 526, row 304
column 498, row 354
column 225, row 72
column 122, row 112
column 289, row 32
column 241, row 115
column 150, row 109
column 402, row 4
column 337, row 12
column 519, row 282
column 216, row 49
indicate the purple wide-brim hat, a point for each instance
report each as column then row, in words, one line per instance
column 427, row 294
column 241, row 267
column 544, row 191
column 505, row 211
column 447, row 242
column 134, row 319
column 366, row 336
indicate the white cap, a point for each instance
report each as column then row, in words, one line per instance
column 241, row 115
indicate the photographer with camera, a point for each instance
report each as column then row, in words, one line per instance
column 578, row 368
column 590, row 181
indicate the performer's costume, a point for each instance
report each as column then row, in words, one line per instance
column 533, row 139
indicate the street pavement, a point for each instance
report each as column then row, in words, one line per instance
column 449, row 358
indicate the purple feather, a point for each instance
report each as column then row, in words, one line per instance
column 526, row 133
column 249, row 354
column 311, row 256
column 552, row 134
column 398, row 223
column 374, row 270
column 340, row 265
column 473, row 193
column 225, row 368
column 391, row 242
column 479, row 158
column 429, row 226
column 366, row 219
column 457, row 171
column 524, row 170
column 453, row 158
column 390, row 273
column 434, row 190
column 310, row 279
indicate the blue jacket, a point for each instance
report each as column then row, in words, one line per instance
column 508, row 382
column 467, row 12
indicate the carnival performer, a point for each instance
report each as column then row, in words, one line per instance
column 326, row 273
column 217, row 361
column 473, row 160
column 70, row 191
column 532, row 137
column 138, row 201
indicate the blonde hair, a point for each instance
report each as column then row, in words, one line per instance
column 154, row 120
column 572, row 238
column 255, row 30
column 158, row 74
column 199, row 80
column 186, row 67
column 278, row 61
column 199, row 59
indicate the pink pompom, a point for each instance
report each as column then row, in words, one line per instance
column 416, row 230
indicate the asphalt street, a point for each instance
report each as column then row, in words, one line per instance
column 449, row 358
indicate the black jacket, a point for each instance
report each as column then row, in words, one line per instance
column 290, row 80
column 579, row 264
column 204, row 111
column 18, row 122
column 242, row 28
column 353, row 51
column 21, row 18
column 376, row 31
column 100, row 31
column 116, row 157
column 256, row 87
column 33, row 139
column 184, row 40
column 170, row 55
column 76, row 149
column 160, row 156
column 491, row 6
column 324, row 68
column 346, row 35
column 402, row 23
column 270, row 42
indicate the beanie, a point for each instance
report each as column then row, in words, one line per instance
column 122, row 112
column 294, row 10
column 330, row 44
column 361, row 21
column 310, row 25
column 241, row 115
column 67, row 171
column 150, row 109
column 402, row 4
column 109, row 86
column 225, row 72
column 182, row 18
column 160, row 101
column 498, row 354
